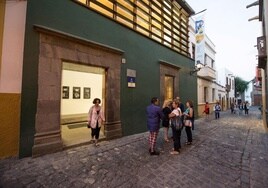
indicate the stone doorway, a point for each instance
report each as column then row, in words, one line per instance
column 169, row 81
column 55, row 48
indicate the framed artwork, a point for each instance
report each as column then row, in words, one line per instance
column 65, row 92
column 86, row 92
column 76, row 92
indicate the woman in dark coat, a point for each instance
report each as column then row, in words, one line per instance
column 165, row 122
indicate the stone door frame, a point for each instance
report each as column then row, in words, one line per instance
column 168, row 69
column 54, row 48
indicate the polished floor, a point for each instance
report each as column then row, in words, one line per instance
column 77, row 134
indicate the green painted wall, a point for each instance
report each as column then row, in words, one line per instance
column 141, row 53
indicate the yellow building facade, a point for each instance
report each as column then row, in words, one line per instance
column 12, row 26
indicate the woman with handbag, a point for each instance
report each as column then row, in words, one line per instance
column 188, row 121
column 95, row 120
column 176, row 125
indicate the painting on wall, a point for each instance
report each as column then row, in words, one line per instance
column 65, row 92
column 76, row 92
column 86, row 92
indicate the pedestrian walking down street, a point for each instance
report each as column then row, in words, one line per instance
column 154, row 114
column 206, row 110
column 95, row 120
column 217, row 109
column 246, row 107
column 236, row 109
column 189, row 118
column 176, row 125
column 241, row 108
column 165, row 122
column 232, row 108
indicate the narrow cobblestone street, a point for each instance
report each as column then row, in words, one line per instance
column 229, row 152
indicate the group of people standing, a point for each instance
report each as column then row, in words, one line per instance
column 174, row 116
column 239, row 108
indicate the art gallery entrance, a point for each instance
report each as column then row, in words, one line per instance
column 80, row 85
column 87, row 67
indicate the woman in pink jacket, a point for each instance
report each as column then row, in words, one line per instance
column 95, row 120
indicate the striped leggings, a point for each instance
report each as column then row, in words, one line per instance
column 152, row 139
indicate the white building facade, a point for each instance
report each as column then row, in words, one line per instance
column 208, row 88
column 226, row 78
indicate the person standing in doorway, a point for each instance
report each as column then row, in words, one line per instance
column 217, row 109
column 95, row 120
column 154, row 114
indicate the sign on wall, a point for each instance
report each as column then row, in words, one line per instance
column 131, row 78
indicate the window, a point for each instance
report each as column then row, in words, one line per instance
column 205, row 94
column 164, row 21
column 193, row 50
column 213, row 94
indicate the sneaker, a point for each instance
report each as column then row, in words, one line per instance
column 174, row 152
column 155, row 153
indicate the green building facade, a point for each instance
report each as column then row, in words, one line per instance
column 137, row 67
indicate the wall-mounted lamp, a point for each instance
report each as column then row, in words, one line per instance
column 197, row 68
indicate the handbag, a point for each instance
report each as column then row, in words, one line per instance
column 188, row 123
column 88, row 125
column 177, row 123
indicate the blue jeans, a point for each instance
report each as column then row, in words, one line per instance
column 217, row 114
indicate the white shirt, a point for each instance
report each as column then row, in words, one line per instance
column 177, row 111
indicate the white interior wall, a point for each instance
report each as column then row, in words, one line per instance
column 80, row 79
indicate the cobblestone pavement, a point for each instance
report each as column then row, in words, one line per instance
column 229, row 152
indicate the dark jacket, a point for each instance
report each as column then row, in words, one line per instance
column 165, row 120
column 154, row 114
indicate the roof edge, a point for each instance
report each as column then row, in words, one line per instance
column 186, row 7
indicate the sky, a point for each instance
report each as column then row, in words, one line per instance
column 227, row 25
